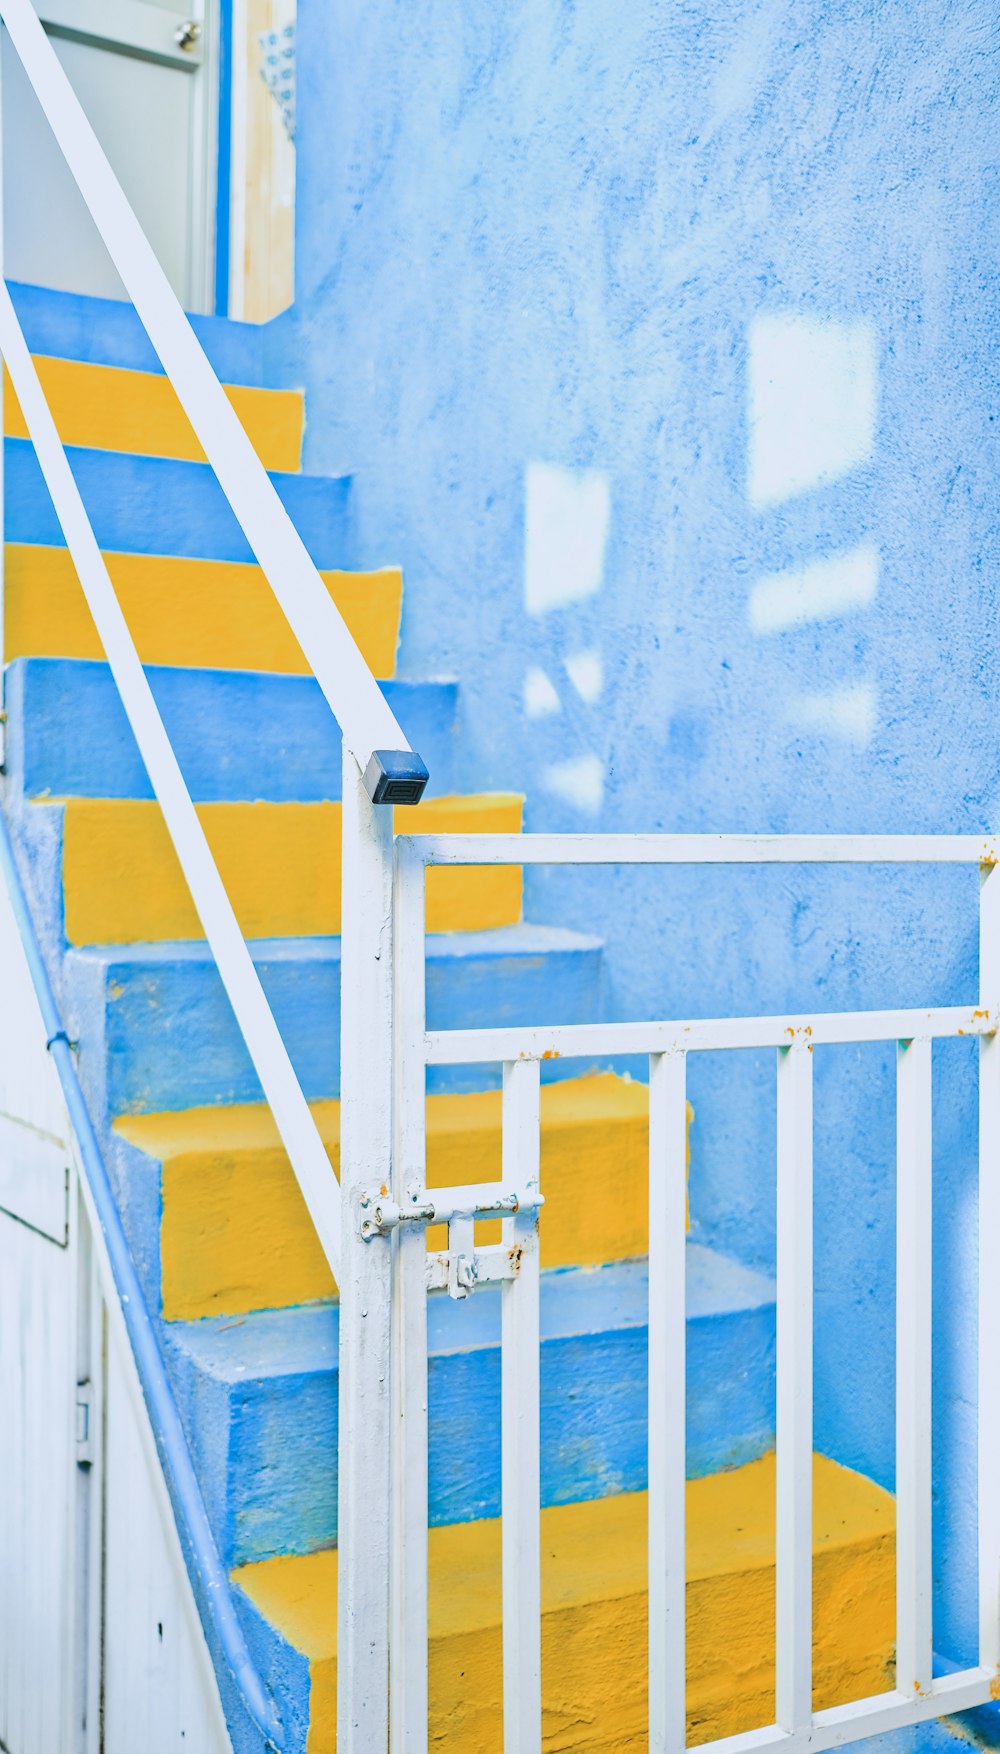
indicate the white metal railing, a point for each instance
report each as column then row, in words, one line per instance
column 379, row 768
column 518, row 1197
column 376, row 1241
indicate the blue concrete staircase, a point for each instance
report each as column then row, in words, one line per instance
column 257, row 1386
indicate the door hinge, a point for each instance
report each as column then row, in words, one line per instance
column 85, row 1424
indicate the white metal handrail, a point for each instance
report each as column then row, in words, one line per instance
column 353, row 694
column 370, row 729
column 379, row 769
column 918, row 1695
column 267, row 1050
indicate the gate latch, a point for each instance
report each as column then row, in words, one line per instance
column 462, row 1266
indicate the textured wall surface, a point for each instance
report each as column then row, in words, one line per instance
column 658, row 340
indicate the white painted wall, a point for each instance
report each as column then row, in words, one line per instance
column 94, row 1594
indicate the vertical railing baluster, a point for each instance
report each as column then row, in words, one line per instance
column 989, row 1276
column 408, row 1528
column 521, row 1462
column 913, row 1367
column 793, row 1554
column 3, row 502
column 666, row 1397
column 363, row 1494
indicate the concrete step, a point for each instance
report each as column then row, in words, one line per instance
column 219, row 614
column 232, row 1228
column 161, row 505
column 239, row 735
column 108, row 331
column 121, row 881
column 594, row 1628
column 114, row 409
column 258, row 1395
column 156, row 1030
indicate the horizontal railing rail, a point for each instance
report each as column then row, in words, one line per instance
column 522, row 1050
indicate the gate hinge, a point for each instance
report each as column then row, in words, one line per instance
column 85, row 1424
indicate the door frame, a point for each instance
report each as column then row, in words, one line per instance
column 136, row 27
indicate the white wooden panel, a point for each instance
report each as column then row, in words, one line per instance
column 29, row 1083
column 37, row 1471
column 34, row 1179
column 159, row 1690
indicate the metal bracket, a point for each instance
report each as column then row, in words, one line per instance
column 85, row 1424
column 460, row 1273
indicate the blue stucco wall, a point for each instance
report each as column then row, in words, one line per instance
column 659, row 342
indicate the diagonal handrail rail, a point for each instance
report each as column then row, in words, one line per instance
column 378, row 762
column 266, row 1047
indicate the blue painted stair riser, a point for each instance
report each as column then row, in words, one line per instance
column 259, row 1396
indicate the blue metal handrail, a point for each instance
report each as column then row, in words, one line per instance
column 208, row 1573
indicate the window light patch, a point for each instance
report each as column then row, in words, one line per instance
column 815, row 593
column 540, row 698
column 812, row 403
column 586, row 673
column 566, row 517
column 847, row 713
column 580, row 783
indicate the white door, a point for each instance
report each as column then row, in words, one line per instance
column 145, row 74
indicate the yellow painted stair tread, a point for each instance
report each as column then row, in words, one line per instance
column 235, row 1234
column 280, row 864
column 594, row 1613
column 111, row 408
column 213, row 614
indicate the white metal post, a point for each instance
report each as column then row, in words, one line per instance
column 793, row 1556
column 913, row 1367
column 408, row 1529
column 521, row 1460
column 667, row 1407
column 3, row 432
column 989, row 1277
column 365, row 1282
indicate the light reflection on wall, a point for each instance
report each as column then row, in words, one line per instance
column 813, row 395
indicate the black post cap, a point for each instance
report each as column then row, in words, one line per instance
column 395, row 776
